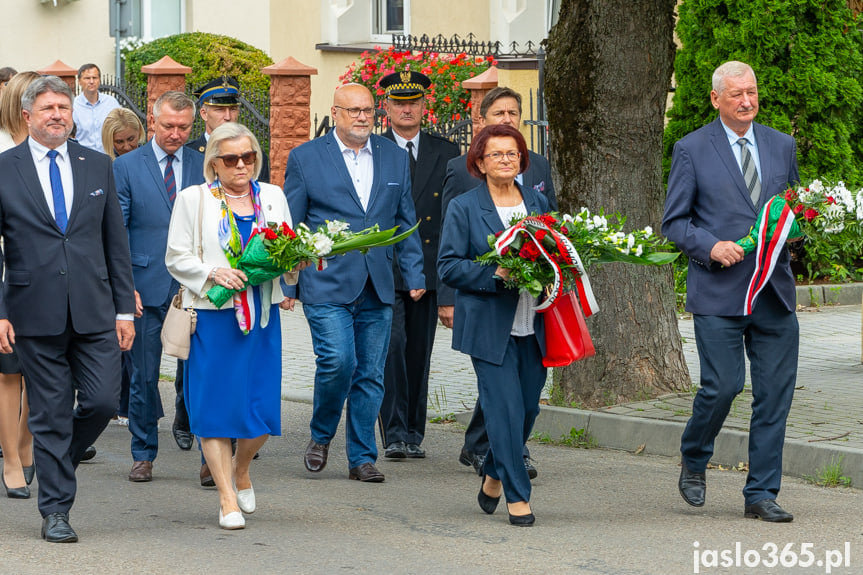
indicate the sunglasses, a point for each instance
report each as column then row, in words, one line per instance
column 230, row 160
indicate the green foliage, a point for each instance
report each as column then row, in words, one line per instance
column 808, row 58
column 830, row 475
column 209, row 56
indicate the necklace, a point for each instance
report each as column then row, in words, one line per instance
column 241, row 196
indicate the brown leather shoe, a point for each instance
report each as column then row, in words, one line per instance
column 141, row 471
column 366, row 472
column 315, row 457
column 207, row 477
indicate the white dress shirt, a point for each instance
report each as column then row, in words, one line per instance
column 176, row 165
column 361, row 167
column 751, row 145
column 403, row 143
column 522, row 323
column 43, row 168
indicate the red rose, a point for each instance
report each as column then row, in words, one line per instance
column 830, row 200
column 798, row 208
column 497, row 234
column 270, row 234
column 504, row 251
column 540, row 234
column 563, row 230
column 810, row 214
column 529, row 252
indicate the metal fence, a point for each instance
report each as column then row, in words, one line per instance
column 469, row 45
column 129, row 95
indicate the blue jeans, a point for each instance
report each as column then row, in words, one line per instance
column 350, row 342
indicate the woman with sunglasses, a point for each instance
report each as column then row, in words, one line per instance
column 234, row 371
column 496, row 326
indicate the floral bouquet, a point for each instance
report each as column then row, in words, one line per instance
column 278, row 249
column 548, row 255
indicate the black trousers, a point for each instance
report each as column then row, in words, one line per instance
column 59, row 370
column 406, row 374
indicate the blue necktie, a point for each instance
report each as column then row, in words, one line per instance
column 170, row 184
column 57, row 192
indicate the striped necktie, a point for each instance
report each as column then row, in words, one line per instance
column 750, row 174
column 170, row 183
column 57, row 191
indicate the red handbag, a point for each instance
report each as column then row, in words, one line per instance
column 566, row 337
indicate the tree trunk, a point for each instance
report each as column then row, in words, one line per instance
column 607, row 78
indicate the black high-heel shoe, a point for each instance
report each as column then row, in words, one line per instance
column 29, row 473
column 521, row 520
column 486, row 502
column 15, row 492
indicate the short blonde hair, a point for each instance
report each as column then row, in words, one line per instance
column 117, row 120
column 229, row 131
column 11, row 118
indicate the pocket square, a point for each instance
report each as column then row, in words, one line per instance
column 97, row 193
column 540, row 187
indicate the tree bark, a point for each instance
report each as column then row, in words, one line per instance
column 608, row 73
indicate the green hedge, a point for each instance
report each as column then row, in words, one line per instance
column 808, row 57
column 209, row 56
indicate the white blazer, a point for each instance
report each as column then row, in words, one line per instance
column 181, row 256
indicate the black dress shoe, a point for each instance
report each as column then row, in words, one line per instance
column 415, row 451
column 692, row 486
column 465, row 457
column 207, row 477
column 367, row 473
column 768, row 510
column 531, row 470
column 15, row 492
column 89, row 454
column 183, row 437
column 29, row 473
column 315, row 457
column 486, row 502
column 521, row 520
column 468, row 458
column 56, row 529
column 396, row 450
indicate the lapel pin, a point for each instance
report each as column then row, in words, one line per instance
column 81, row 158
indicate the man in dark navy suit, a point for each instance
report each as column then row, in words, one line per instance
column 148, row 180
column 500, row 105
column 721, row 176
column 403, row 411
column 68, row 300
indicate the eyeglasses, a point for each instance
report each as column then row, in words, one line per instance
column 355, row 112
column 230, row 160
column 499, row 156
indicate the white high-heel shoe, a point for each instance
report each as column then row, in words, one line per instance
column 233, row 520
column 246, row 500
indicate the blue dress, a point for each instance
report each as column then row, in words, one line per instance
column 233, row 381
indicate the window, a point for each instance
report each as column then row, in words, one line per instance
column 162, row 18
column 390, row 17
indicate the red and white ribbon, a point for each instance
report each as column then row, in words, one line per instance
column 768, row 251
column 566, row 249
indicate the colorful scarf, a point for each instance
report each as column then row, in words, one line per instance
column 231, row 242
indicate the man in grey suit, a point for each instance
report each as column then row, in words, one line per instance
column 68, row 300
column 500, row 105
column 148, row 180
column 721, row 176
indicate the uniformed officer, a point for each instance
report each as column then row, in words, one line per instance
column 403, row 412
column 219, row 102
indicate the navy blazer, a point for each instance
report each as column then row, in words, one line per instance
column 708, row 202
column 83, row 276
column 318, row 187
column 458, row 181
column 147, row 214
column 484, row 308
column 427, row 191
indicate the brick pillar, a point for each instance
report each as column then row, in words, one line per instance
column 290, row 111
column 162, row 76
column 62, row 71
column 479, row 87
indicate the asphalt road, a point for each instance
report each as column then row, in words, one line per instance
column 598, row 512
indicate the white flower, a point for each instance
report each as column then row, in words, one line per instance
column 336, row 227
column 639, row 250
column 630, row 242
column 321, row 244
column 860, row 204
column 816, row 186
column 648, row 231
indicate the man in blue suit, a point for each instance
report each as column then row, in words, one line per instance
column 362, row 179
column 721, row 176
column 148, row 180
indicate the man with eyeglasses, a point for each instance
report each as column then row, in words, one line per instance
column 403, row 412
column 362, row 179
column 500, row 105
column 219, row 102
column 148, row 180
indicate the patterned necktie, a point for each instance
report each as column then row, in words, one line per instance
column 170, row 183
column 57, row 192
column 750, row 174
column 413, row 162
